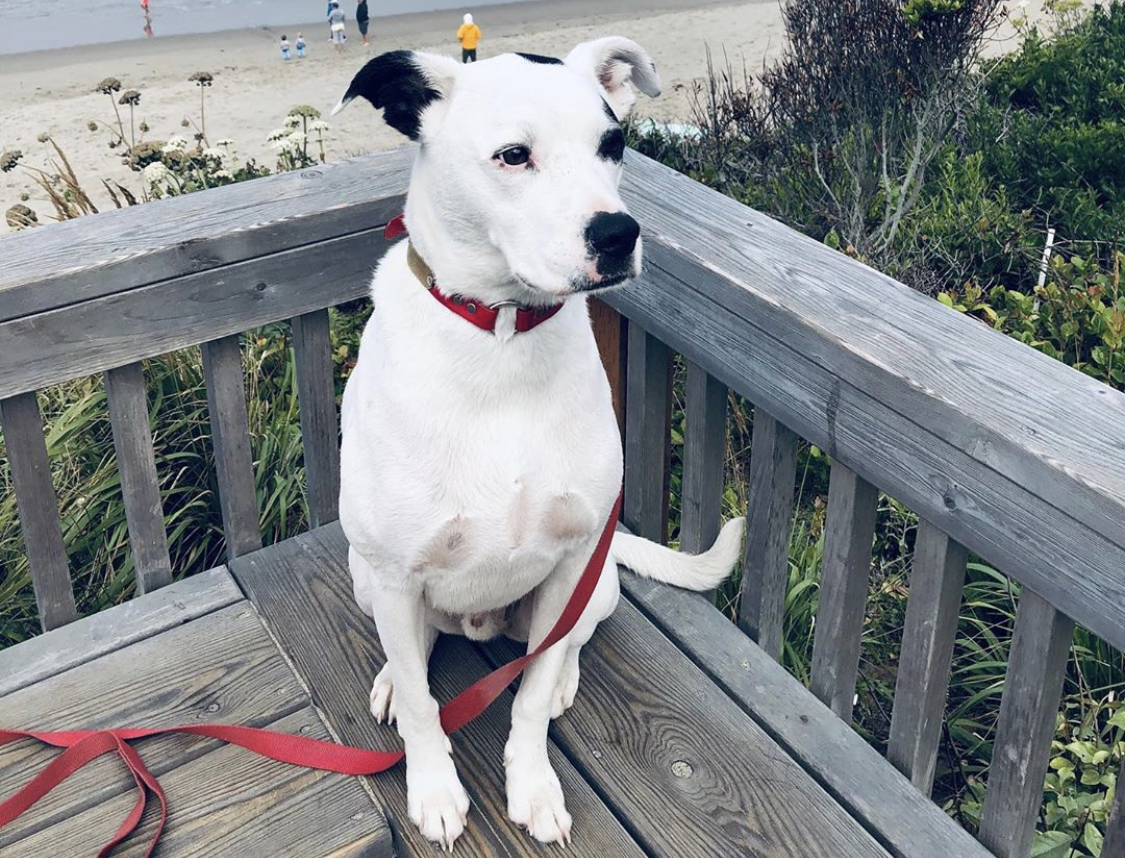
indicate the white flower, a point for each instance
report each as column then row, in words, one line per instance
column 277, row 134
column 281, row 144
column 217, row 154
column 297, row 138
column 155, row 173
column 318, row 125
column 223, row 174
column 226, row 142
column 175, row 143
column 293, row 121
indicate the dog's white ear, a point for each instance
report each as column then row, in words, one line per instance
column 404, row 84
column 618, row 65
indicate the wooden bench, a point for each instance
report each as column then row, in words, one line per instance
column 688, row 738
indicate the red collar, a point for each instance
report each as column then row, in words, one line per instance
column 481, row 315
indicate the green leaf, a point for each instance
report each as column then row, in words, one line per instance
column 943, row 298
column 1092, row 839
column 1051, row 844
column 1118, row 719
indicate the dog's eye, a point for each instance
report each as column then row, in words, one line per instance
column 515, row 156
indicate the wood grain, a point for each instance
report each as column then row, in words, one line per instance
column 648, row 410
column 611, row 335
column 304, row 591
column 230, row 440
column 705, row 449
column 1028, row 709
column 116, row 627
column 320, row 426
column 140, row 486
column 932, row 611
column 222, row 667
column 769, row 520
column 39, row 510
column 842, row 602
column 907, row 823
column 1114, row 846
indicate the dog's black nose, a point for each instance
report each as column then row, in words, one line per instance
column 612, row 236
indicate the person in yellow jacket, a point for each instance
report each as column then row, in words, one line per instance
column 468, row 34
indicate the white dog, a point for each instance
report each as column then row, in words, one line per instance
column 481, row 455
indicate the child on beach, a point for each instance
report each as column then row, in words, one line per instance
column 300, row 43
column 468, row 34
column 285, row 48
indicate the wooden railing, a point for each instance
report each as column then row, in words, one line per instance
column 1001, row 451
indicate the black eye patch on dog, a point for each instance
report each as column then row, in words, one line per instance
column 612, row 145
column 542, row 60
column 395, row 83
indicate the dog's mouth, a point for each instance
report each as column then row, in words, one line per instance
column 609, row 281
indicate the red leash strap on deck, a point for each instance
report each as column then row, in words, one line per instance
column 82, row 746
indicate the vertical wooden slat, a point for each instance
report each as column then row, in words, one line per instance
column 230, row 437
column 927, row 648
column 852, row 505
column 765, row 571
column 316, row 389
column 1028, row 709
column 39, row 511
column 611, row 336
column 140, row 488
column 705, row 446
column 1114, row 846
column 647, row 409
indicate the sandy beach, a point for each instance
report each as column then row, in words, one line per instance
column 53, row 91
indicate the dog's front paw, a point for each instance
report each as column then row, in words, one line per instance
column 436, row 801
column 535, row 797
column 383, row 697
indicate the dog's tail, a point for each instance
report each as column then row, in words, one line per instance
column 691, row 571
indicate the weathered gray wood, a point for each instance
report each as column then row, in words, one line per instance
column 114, row 628
column 320, row 428
column 230, row 438
column 1004, row 522
column 1028, row 709
column 1114, row 846
column 849, row 532
column 670, row 752
column 932, row 610
column 647, row 410
column 119, row 251
column 765, row 570
column 907, row 823
column 303, row 589
column 39, row 510
column 233, row 804
column 221, row 667
column 136, row 462
column 941, row 412
column 705, row 448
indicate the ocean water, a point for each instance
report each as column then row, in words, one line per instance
column 26, row 25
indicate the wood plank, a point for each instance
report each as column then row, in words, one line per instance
column 1033, row 686
column 841, row 605
column 1114, row 846
column 303, row 589
column 765, row 569
column 39, row 510
column 907, row 823
column 705, row 449
column 114, row 628
column 320, row 426
column 932, row 612
column 122, row 250
column 230, row 439
column 670, row 752
column 611, row 335
column 222, row 667
column 140, row 486
column 230, row 803
column 648, row 409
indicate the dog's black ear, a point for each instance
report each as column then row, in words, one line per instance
column 403, row 84
column 618, row 65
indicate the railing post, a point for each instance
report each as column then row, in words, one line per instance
column 765, row 570
column 39, row 510
column 852, row 506
column 647, row 410
column 611, row 336
column 932, row 609
column 320, row 431
column 230, row 437
column 140, row 486
column 705, row 446
column 1114, row 846
column 1028, row 708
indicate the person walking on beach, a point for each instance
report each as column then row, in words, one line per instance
column 468, row 34
column 362, row 19
column 300, row 44
column 336, row 20
column 285, row 47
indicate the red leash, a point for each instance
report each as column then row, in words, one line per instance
column 85, row 745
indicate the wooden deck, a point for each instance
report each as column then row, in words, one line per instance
column 657, row 758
